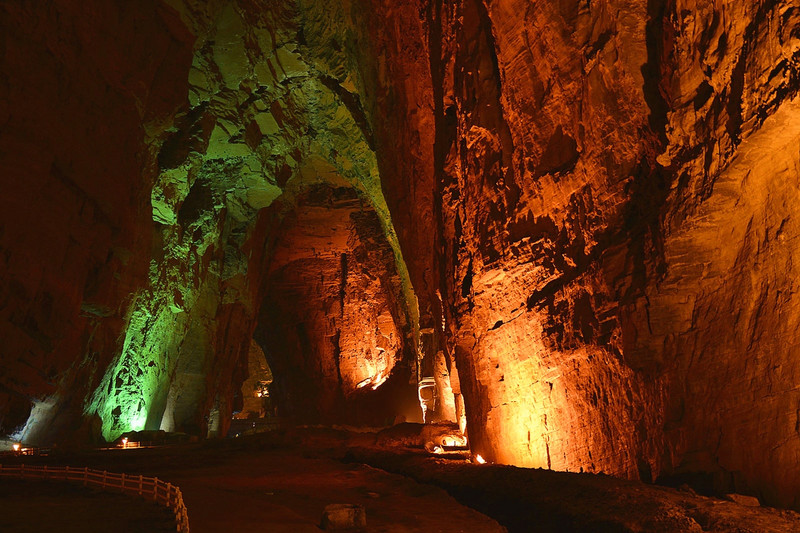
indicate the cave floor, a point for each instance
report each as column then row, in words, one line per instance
column 231, row 487
column 286, row 491
column 535, row 500
column 282, row 482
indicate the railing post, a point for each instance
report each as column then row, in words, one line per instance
column 22, row 471
column 45, row 472
column 123, row 482
column 66, row 473
column 169, row 495
column 155, row 487
column 85, row 475
column 140, row 484
column 105, row 473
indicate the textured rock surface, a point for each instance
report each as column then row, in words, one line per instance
column 576, row 216
column 331, row 323
column 81, row 108
column 267, row 117
column 255, row 395
column 192, row 177
column 612, row 178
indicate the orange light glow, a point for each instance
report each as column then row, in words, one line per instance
column 125, row 442
column 16, row 447
column 454, row 440
column 479, row 459
column 379, row 382
column 374, row 381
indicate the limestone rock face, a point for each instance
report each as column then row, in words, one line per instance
column 81, row 108
column 532, row 196
column 612, row 183
column 722, row 320
column 607, row 210
column 139, row 311
column 255, row 397
column 269, row 116
column 331, row 325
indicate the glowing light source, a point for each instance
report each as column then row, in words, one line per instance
column 454, row 440
column 479, row 459
column 379, row 382
column 375, row 381
column 427, row 396
column 15, row 446
column 125, row 442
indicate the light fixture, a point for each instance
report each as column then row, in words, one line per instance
column 379, row 381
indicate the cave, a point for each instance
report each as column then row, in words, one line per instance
column 533, row 257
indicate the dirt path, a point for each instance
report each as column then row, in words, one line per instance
column 282, row 482
column 228, row 488
column 282, row 491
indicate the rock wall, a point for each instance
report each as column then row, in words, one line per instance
column 255, row 394
column 585, row 147
column 331, row 322
column 173, row 129
column 722, row 321
column 613, row 185
column 268, row 116
column 81, row 111
column 532, row 197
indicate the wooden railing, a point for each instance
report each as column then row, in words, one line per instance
column 151, row 488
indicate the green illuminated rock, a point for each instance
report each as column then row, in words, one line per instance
column 268, row 116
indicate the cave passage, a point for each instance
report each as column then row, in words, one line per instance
column 332, row 323
column 540, row 234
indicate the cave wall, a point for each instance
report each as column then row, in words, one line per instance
column 332, row 324
column 81, row 110
column 254, row 401
column 532, row 197
column 722, row 321
column 613, row 245
column 266, row 118
column 198, row 116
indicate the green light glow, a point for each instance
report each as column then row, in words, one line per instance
column 264, row 113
